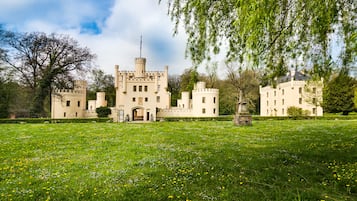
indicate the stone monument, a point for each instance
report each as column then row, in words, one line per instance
column 242, row 117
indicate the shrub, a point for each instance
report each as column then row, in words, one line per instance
column 295, row 111
column 103, row 111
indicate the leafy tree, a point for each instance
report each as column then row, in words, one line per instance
column 189, row 78
column 44, row 61
column 103, row 111
column 266, row 32
column 227, row 97
column 174, row 85
column 101, row 82
column 6, row 94
column 338, row 93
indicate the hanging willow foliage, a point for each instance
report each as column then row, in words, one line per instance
column 267, row 32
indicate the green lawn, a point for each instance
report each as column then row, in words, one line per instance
column 272, row 160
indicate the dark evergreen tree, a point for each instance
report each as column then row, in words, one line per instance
column 339, row 93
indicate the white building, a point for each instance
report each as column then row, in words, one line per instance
column 204, row 103
column 294, row 89
column 140, row 93
column 71, row 103
column 143, row 96
column 140, row 96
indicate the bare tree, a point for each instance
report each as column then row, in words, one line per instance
column 246, row 84
column 44, row 61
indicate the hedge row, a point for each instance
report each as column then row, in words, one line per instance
column 260, row 118
column 220, row 118
column 170, row 119
column 48, row 120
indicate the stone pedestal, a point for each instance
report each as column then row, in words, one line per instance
column 243, row 119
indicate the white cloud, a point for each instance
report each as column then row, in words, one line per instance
column 121, row 23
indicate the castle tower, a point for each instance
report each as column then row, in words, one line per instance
column 69, row 103
column 101, row 102
column 140, row 64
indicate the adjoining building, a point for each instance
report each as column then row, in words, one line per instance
column 71, row 103
column 204, row 103
column 295, row 89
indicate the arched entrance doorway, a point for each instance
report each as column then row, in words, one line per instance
column 138, row 114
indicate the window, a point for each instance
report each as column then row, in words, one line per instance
column 313, row 110
column 214, row 110
column 267, row 94
column 146, row 88
column 134, row 88
column 300, row 90
column 282, row 91
column 79, row 103
column 68, row 103
column 313, row 100
column 64, row 114
column 267, row 103
column 203, row 99
column 203, row 110
column 282, row 111
column 140, row 88
column 158, row 99
column 274, row 93
column 134, row 99
column 76, row 114
column 146, row 99
column 274, row 102
column 282, row 102
column 300, row 100
column 214, row 99
column 314, row 90
column 158, row 87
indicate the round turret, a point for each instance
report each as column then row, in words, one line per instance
column 140, row 64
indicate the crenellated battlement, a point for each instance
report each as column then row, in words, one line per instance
column 68, row 91
column 206, row 90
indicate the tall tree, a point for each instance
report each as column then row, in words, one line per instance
column 44, row 61
column 266, row 32
column 174, row 84
column 246, row 85
column 338, row 94
column 6, row 93
column 212, row 77
column 189, row 78
column 100, row 81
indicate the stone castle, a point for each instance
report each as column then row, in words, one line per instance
column 141, row 95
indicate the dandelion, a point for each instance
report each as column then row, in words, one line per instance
column 170, row 196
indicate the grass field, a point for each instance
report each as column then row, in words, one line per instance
column 272, row 160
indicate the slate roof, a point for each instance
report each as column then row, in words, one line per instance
column 297, row 76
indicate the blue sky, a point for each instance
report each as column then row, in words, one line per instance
column 110, row 28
